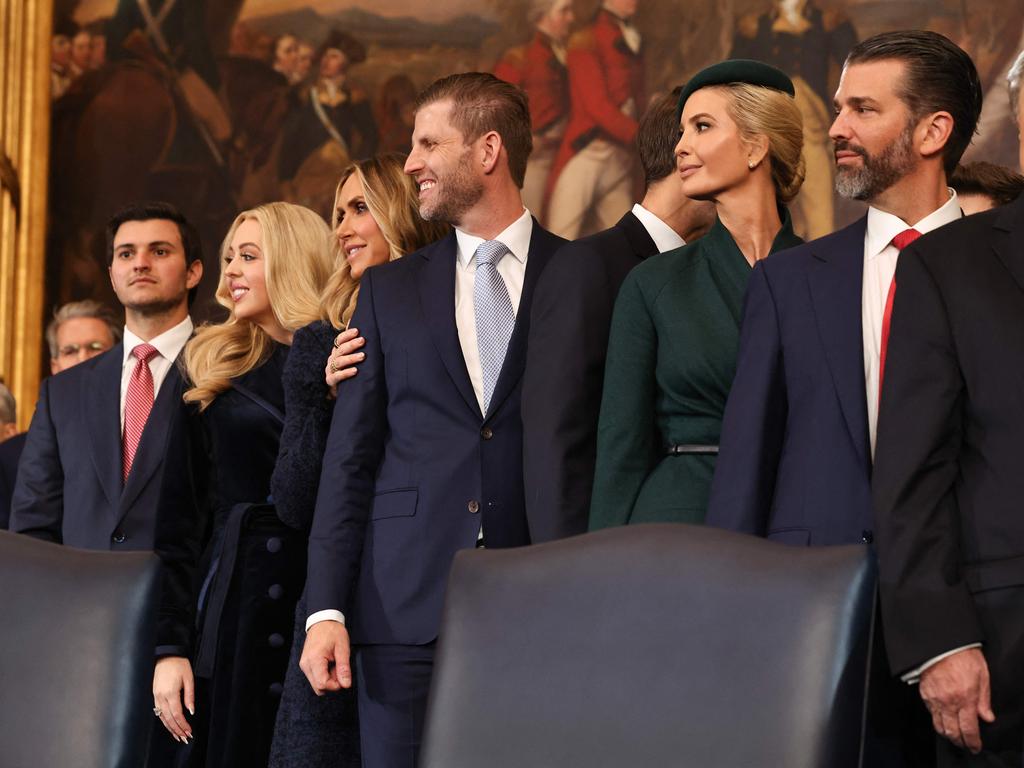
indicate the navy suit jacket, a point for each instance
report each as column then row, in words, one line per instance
column 571, row 320
column 10, row 453
column 795, row 462
column 412, row 468
column 69, row 487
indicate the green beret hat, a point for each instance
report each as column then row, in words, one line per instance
column 736, row 71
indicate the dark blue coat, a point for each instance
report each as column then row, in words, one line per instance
column 69, row 487
column 412, row 467
column 795, row 462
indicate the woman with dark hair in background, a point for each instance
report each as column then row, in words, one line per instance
column 376, row 219
column 675, row 330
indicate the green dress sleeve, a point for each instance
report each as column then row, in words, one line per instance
column 627, row 438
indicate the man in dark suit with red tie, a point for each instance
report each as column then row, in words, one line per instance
column 795, row 463
column 424, row 455
column 572, row 313
column 93, row 463
column 591, row 182
column 949, row 484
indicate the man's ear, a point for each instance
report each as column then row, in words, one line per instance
column 933, row 132
column 194, row 274
column 490, row 150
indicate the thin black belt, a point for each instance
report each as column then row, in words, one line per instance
column 687, row 450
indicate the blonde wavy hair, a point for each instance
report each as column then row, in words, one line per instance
column 393, row 201
column 297, row 262
column 759, row 110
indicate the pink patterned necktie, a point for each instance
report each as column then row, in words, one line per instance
column 138, row 402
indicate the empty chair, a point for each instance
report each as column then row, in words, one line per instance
column 653, row 645
column 76, row 655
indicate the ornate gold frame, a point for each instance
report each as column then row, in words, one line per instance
column 25, row 31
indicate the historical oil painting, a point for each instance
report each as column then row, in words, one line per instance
column 218, row 105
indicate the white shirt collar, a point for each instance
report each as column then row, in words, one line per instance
column 883, row 227
column 664, row 237
column 516, row 237
column 169, row 343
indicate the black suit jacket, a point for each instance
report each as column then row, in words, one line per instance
column 571, row 317
column 948, row 482
column 412, row 468
column 69, row 487
column 10, row 453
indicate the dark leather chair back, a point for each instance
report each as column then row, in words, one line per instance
column 653, row 645
column 76, row 655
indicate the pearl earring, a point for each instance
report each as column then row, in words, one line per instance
column 751, row 164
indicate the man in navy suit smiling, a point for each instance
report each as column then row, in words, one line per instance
column 424, row 455
column 92, row 466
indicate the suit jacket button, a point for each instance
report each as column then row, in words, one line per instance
column 276, row 592
column 275, row 689
column 486, row 433
column 275, row 640
column 867, row 536
column 118, row 537
column 473, row 506
column 273, row 545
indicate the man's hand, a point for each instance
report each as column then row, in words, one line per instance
column 325, row 657
column 172, row 680
column 956, row 692
column 341, row 364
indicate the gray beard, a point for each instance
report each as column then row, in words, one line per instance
column 878, row 173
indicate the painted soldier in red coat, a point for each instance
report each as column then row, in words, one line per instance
column 538, row 67
column 591, row 182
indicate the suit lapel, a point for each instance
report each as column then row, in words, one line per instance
column 152, row 446
column 835, row 277
column 542, row 245
column 101, row 396
column 1010, row 249
column 436, row 284
column 636, row 233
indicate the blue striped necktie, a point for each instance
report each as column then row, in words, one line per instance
column 494, row 316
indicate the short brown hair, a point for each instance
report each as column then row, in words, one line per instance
column 481, row 103
column 1001, row 185
column 939, row 76
column 657, row 136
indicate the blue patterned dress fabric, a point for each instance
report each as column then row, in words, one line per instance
column 495, row 318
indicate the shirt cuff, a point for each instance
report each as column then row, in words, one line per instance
column 328, row 615
column 914, row 676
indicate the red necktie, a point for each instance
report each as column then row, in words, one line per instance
column 138, row 402
column 901, row 241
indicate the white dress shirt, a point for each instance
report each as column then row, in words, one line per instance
column 512, row 268
column 665, row 238
column 168, row 344
column 879, row 267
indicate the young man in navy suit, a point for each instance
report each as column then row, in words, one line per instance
column 93, row 463
column 799, row 431
column 424, row 456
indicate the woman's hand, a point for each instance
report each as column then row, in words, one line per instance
column 341, row 364
column 172, row 681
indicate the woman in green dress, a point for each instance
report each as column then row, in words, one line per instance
column 675, row 329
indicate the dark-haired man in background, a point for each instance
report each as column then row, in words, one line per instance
column 799, row 431
column 572, row 312
column 93, row 463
